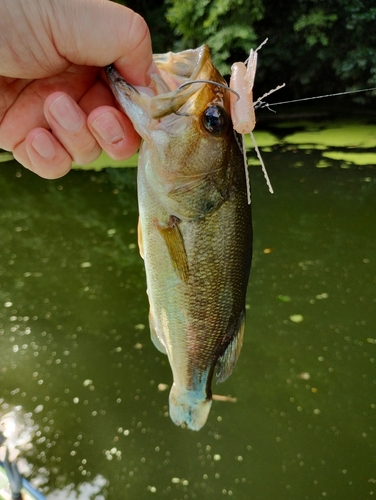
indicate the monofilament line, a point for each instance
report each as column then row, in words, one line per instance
column 261, row 104
column 247, row 183
column 262, row 163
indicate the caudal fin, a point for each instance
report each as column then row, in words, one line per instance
column 188, row 407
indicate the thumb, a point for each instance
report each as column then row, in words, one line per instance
column 101, row 32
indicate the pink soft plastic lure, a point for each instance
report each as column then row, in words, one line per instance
column 243, row 108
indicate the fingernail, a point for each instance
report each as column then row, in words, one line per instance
column 65, row 113
column 108, row 128
column 44, row 146
column 153, row 70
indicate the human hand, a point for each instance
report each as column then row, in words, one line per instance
column 55, row 107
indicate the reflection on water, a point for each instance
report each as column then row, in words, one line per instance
column 78, row 368
column 17, row 429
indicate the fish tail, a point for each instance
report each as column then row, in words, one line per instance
column 188, row 407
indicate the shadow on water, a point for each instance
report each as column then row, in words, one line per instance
column 83, row 390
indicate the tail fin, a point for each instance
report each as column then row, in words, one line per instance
column 188, row 407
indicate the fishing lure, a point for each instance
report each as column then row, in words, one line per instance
column 243, row 108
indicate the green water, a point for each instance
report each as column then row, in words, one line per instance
column 84, row 393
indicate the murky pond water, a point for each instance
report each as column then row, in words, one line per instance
column 84, row 393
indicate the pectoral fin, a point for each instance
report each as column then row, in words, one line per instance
column 175, row 245
column 227, row 361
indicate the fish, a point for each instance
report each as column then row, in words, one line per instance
column 195, row 223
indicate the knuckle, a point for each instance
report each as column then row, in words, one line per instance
column 86, row 154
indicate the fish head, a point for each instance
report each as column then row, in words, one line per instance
column 186, row 127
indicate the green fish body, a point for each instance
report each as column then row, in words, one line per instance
column 195, row 229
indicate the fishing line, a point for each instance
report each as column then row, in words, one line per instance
column 262, row 104
column 259, row 104
column 268, row 183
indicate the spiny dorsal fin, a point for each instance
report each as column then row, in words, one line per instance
column 175, row 245
column 227, row 361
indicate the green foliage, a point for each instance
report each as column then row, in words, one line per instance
column 315, row 46
column 225, row 25
column 321, row 46
column 355, row 51
column 314, row 26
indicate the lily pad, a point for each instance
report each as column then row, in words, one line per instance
column 264, row 139
column 254, row 161
column 284, row 298
column 337, row 134
column 323, row 164
column 355, row 158
column 296, row 318
column 5, row 156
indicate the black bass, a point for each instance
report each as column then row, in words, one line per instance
column 195, row 229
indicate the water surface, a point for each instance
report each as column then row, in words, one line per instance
column 84, row 393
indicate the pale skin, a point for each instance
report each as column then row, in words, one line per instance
column 55, row 106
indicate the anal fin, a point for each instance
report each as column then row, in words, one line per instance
column 227, row 361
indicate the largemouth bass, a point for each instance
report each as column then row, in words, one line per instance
column 195, row 228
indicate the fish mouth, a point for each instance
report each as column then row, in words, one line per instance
column 185, row 84
column 115, row 79
column 187, row 407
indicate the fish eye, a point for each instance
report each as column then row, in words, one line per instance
column 215, row 120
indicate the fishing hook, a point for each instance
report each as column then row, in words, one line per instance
column 190, row 82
